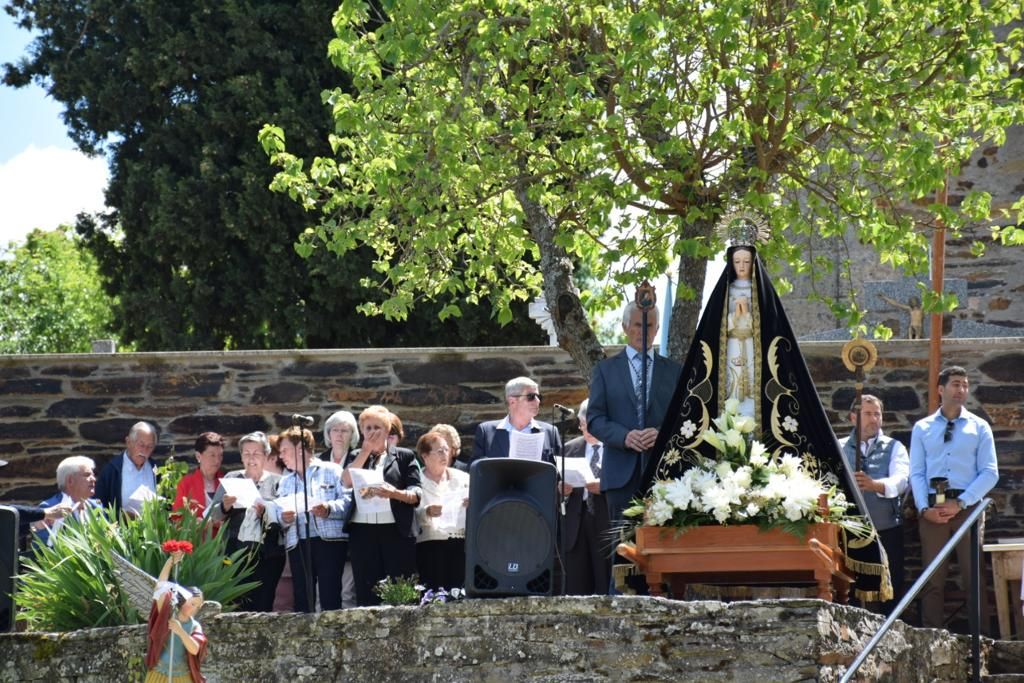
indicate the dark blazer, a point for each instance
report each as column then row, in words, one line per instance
column 44, row 534
column 576, row 507
column 491, row 442
column 108, row 484
column 612, row 412
column 402, row 472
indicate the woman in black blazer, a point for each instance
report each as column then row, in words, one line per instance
column 382, row 544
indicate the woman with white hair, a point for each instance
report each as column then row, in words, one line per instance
column 251, row 527
column 341, row 434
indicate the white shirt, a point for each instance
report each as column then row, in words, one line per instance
column 133, row 477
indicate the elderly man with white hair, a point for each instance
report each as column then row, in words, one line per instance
column 76, row 484
column 130, row 474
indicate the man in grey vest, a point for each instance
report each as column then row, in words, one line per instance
column 882, row 478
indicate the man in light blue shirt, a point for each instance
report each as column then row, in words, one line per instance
column 956, row 445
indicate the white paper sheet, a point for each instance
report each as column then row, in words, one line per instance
column 65, row 501
column 296, row 502
column 453, row 512
column 243, row 489
column 138, row 497
column 525, row 446
column 577, row 471
column 363, row 479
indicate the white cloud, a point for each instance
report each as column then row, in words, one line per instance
column 42, row 188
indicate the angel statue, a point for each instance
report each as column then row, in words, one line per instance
column 176, row 643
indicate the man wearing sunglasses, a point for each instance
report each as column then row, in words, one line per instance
column 955, row 445
column 523, row 397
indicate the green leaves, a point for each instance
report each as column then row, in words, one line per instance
column 72, row 585
column 51, row 298
column 489, row 138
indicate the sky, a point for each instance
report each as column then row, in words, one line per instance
column 44, row 180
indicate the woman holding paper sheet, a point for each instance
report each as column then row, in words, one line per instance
column 251, row 527
column 196, row 489
column 441, row 544
column 382, row 537
column 317, row 544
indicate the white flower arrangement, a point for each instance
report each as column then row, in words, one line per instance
column 744, row 485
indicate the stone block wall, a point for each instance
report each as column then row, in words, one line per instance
column 994, row 283
column 518, row 639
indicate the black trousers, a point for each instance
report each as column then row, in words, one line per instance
column 586, row 563
column 442, row 564
column 378, row 551
column 325, row 560
column 267, row 573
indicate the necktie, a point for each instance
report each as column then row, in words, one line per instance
column 595, row 461
column 641, row 400
column 595, row 467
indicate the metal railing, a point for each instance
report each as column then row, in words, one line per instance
column 973, row 595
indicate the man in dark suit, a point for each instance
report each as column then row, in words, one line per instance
column 522, row 396
column 614, row 415
column 585, row 522
column 125, row 473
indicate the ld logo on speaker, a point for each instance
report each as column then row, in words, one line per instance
column 513, row 567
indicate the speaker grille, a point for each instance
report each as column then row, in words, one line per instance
column 513, row 538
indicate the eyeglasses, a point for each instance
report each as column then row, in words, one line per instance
column 532, row 396
column 948, row 434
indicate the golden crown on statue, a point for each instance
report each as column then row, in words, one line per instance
column 743, row 227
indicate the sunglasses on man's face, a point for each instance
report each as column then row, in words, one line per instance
column 532, row 396
column 948, row 434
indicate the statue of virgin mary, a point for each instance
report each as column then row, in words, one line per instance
column 745, row 349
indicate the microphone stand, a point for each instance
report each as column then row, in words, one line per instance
column 565, row 414
column 305, row 549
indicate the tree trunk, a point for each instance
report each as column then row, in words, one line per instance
column 686, row 311
column 572, row 325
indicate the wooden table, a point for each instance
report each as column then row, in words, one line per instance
column 741, row 555
column 1007, row 562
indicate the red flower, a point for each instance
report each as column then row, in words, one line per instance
column 177, row 546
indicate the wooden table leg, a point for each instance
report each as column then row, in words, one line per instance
column 654, row 584
column 823, row 578
column 1002, row 589
column 842, row 589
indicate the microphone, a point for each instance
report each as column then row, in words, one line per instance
column 566, row 412
column 302, row 420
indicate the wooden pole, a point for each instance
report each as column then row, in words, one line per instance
column 938, row 270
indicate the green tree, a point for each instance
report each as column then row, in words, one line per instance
column 198, row 251
column 51, row 299
column 502, row 139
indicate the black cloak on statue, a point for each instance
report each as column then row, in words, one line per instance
column 788, row 412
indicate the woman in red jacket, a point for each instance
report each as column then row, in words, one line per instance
column 198, row 487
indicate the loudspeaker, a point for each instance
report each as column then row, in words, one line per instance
column 8, row 565
column 510, row 527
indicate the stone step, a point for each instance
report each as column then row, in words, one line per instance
column 1006, row 657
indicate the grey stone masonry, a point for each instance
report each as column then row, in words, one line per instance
column 519, row 639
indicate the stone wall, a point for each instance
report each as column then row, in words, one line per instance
column 54, row 406
column 994, row 284
column 519, row 639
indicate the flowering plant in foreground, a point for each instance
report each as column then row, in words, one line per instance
column 177, row 546
column 744, row 485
